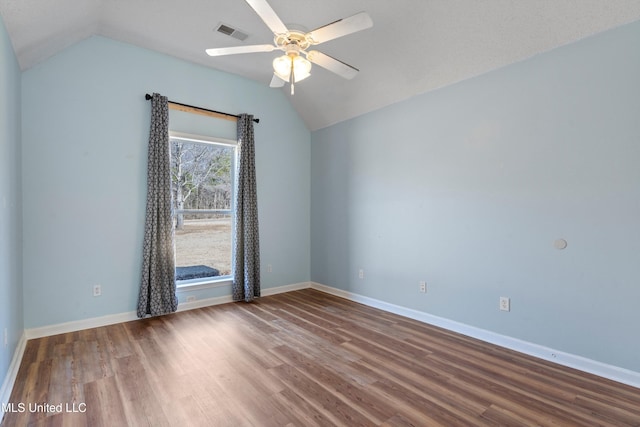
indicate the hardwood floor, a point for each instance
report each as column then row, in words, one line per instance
column 303, row 358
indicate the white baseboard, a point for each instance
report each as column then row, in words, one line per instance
column 96, row 322
column 611, row 372
column 184, row 306
column 12, row 373
column 79, row 325
column 286, row 288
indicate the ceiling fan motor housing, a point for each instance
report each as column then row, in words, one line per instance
column 292, row 38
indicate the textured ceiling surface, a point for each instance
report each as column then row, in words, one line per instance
column 414, row 46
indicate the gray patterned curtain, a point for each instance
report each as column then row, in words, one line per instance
column 158, row 286
column 246, row 278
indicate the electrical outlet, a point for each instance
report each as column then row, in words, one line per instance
column 361, row 274
column 97, row 290
column 269, row 268
column 191, row 298
column 6, row 337
column 505, row 304
column 423, row 286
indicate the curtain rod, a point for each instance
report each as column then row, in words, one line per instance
column 192, row 109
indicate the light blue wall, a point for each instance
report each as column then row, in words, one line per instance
column 11, row 315
column 469, row 186
column 85, row 130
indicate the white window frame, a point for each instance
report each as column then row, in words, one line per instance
column 204, row 283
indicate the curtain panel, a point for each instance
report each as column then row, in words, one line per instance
column 246, row 280
column 158, row 286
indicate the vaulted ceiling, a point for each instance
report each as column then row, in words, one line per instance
column 414, row 46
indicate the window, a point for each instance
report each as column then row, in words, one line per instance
column 202, row 175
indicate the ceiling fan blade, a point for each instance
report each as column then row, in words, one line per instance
column 266, row 13
column 276, row 81
column 358, row 22
column 240, row 49
column 332, row 64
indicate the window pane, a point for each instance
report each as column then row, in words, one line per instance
column 203, row 246
column 202, row 179
column 201, row 175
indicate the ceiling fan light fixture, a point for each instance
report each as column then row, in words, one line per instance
column 282, row 66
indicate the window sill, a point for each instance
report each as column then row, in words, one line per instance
column 195, row 284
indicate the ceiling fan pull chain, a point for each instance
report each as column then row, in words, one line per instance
column 292, row 77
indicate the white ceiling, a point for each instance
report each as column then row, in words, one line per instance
column 414, row 46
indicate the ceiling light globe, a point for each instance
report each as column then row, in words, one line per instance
column 301, row 68
column 282, row 67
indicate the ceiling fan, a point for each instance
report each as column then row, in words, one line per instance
column 295, row 64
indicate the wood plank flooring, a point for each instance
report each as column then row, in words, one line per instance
column 303, row 358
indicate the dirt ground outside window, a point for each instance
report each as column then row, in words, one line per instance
column 205, row 242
